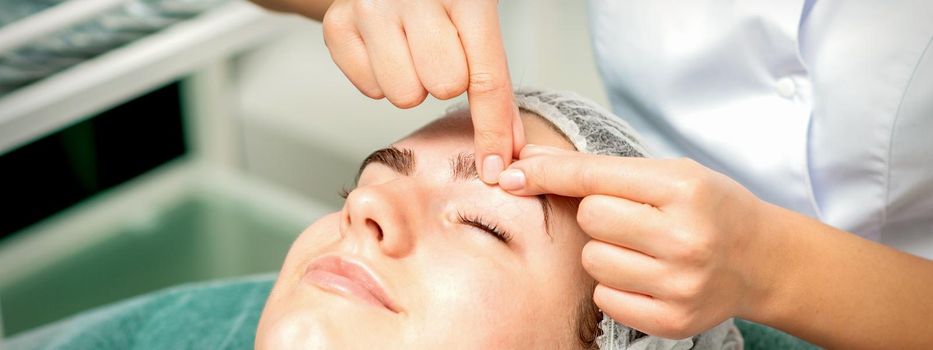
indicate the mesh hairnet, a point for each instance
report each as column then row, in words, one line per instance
column 592, row 129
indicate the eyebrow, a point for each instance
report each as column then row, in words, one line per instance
column 401, row 161
column 463, row 168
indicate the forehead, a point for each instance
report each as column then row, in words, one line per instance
column 456, row 129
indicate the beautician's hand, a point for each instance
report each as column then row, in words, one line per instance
column 403, row 50
column 672, row 244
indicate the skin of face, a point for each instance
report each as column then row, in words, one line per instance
column 454, row 286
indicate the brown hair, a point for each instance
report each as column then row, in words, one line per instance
column 587, row 320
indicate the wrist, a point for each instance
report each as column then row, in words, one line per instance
column 773, row 259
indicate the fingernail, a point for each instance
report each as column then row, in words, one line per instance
column 512, row 180
column 492, row 166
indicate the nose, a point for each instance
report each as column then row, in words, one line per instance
column 377, row 214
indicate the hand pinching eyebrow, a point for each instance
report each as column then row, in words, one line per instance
column 659, row 228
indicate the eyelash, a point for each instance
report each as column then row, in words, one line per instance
column 474, row 221
column 344, row 192
column 484, row 225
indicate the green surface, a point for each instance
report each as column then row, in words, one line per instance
column 761, row 337
column 199, row 238
column 222, row 315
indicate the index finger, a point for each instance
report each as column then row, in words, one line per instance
column 573, row 174
column 497, row 127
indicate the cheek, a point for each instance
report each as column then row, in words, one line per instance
column 304, row 320
column 284, row 314
column 297, row 316
column 284, row 327
column 314, row 241
column 479, row 299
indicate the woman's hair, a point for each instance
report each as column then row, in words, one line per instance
column 587, row 321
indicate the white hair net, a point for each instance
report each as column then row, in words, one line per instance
column 592, row 129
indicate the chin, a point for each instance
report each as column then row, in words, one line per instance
column 314, row 319
column 293, row 331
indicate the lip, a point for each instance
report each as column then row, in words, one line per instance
column 349, row 278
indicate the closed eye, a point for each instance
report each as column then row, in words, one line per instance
column 485, row 225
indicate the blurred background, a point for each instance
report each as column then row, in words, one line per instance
column 149, row 143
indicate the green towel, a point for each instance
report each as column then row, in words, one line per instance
column 220, row 315
column 213, row 315
column 759, row 337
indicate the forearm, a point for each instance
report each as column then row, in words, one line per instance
column 838, row 290
column 313, row 9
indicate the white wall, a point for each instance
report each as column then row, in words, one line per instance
column 306, row 127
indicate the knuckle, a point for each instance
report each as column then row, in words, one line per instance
column 676, row 325
column 408, row 98
column 534, row 174
column 689, row 188
column 333, row 31
column 328, row 31
column 366, row 8
column 693, row 249
column 448, row 90
column 484, row 83
column 588, row 178
column 694, row 179
column 334, row 15
column 687, row 288
column 338, row 40
column 491, row 137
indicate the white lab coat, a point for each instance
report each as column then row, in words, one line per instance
column 823, row 107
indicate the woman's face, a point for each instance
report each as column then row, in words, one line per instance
column 425, row 255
